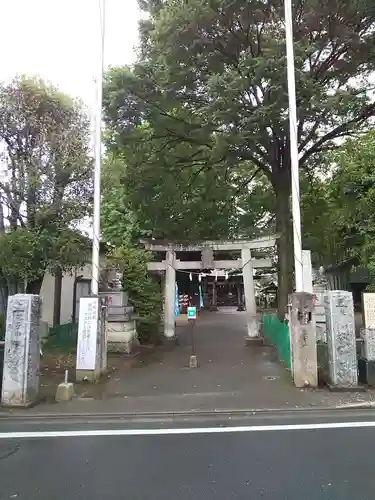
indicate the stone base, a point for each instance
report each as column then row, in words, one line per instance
column 121, row 336
column 254, row 341
column 28, row 404
column 193, row 363
column 341, row 388
column 120, row 347
column 89, row 376
column 366, row 372
column 65, row 392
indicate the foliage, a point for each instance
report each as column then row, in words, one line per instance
column 26, row 255
column 210, row 84
column 144, row 291
column 44, row 136
column 352, row 191
column 119, row 223
column 156, row 195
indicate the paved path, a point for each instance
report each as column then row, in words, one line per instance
column 226, row 365
column 230, row 377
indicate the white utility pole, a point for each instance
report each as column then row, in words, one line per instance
column 98, row 156
column 296, row 209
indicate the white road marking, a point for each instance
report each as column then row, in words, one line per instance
column 181, row 431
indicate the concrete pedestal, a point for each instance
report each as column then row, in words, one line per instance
column 303, row 340
column 341, row 339
column 65, row 392
column 22, row 351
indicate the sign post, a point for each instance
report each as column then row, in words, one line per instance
column 192, row 316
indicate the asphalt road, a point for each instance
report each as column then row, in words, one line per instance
column 208, row 459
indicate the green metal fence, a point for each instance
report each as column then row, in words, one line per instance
column 63, row 336
column 278, row 334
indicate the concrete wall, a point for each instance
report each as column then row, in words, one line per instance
column 48, row 289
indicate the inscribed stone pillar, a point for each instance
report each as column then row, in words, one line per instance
column 368, row 336
column 303, row 340
column 341, row 338
column 366, row 361
column 248, row 282
column 91, row 346
column 22, row 351
column 169, row 295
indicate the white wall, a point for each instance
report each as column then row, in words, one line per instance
column 47, row 294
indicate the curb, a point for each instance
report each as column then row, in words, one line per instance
column 181, row 414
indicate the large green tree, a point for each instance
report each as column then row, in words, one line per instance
column 352, row 198
column 46, row 182
column 212, row 73
column 165, row 194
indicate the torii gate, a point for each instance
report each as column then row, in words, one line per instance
column 246, row 263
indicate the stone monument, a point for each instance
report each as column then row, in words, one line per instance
column 121, row 326
column 341, row 339
column 22, row 351
column 303, row 340
column 320, row 288
column 366, row 361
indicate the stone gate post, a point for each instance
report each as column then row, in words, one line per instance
column 22, row 351
column 342, row 351
column 303, row 340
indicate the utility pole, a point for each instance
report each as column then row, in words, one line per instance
column 98, row 156
column 294, row 161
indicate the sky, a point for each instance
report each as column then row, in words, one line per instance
column 59, row 40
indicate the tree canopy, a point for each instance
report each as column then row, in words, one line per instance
column 211, row 81
column 46, row 182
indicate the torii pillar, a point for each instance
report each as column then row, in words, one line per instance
column 251, row 308
column 169, row 295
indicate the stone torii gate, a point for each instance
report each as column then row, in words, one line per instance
column 207, row 249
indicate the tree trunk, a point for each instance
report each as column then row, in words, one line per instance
column 34, row 286
column 57, row 297
column 285, row 242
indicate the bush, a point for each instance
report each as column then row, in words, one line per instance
column 143, row 289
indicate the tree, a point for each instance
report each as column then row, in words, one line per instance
column 152, row 193
column 47, row 184
column 213, row 73
column 352, row 194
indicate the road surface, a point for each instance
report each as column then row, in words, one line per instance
column 291, row 456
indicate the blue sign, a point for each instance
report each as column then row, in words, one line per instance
column 176, row 303
column 201, row 304
column 192, row 313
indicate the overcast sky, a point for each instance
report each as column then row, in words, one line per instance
column 58, row 40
